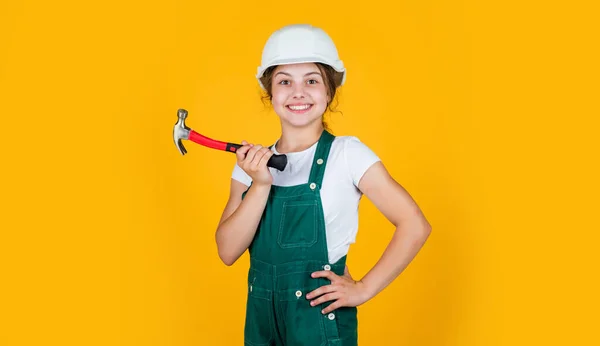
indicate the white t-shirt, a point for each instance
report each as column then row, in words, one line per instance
column 348, row 160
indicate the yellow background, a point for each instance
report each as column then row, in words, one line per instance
column 488, row 116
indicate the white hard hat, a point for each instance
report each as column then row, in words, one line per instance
column 300, row 43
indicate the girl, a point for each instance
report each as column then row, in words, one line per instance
column 298, row 224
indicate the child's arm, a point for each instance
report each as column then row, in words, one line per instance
column 411, row 231
column 240, row 218
column 411, row 227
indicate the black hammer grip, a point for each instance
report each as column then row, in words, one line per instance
column 277, row 161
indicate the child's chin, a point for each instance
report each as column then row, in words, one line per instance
column 301, row 122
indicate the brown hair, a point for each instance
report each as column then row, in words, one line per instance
column 331, row 78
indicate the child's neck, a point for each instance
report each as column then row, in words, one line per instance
column 296, row 140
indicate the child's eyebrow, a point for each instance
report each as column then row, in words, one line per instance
column 287, row 74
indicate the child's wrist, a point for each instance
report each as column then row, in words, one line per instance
column 262, row 186
column 369, row 291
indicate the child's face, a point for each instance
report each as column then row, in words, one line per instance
column 299, row 94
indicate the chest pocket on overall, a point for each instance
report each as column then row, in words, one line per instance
column 298, row 224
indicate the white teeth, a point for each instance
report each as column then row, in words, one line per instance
column 299, row 108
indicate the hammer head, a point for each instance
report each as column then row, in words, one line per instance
column 181, row 131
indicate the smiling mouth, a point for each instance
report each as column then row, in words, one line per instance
column 299, row 108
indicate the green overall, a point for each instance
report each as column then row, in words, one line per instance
column 290, row 244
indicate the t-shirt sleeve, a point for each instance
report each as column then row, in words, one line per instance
column 241, row 176
column 359, row 157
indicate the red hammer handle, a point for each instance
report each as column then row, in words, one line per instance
column 212, row 143
column 276, row 161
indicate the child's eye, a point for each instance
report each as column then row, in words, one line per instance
column 283, row 82
column 312, row 81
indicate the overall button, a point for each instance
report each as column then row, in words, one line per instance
column 319, row 161
column 312, row 186
column 327, row 267
column 298, row 294
column 331, row 316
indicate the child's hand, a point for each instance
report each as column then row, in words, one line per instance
column 343, row 289
column 253, row 160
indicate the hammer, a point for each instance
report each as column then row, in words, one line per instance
column 181, row 131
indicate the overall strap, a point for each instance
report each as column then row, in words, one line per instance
column 320, row 160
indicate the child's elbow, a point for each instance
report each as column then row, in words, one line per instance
column 425, row 231
column 228, row 261
column 227, row 258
